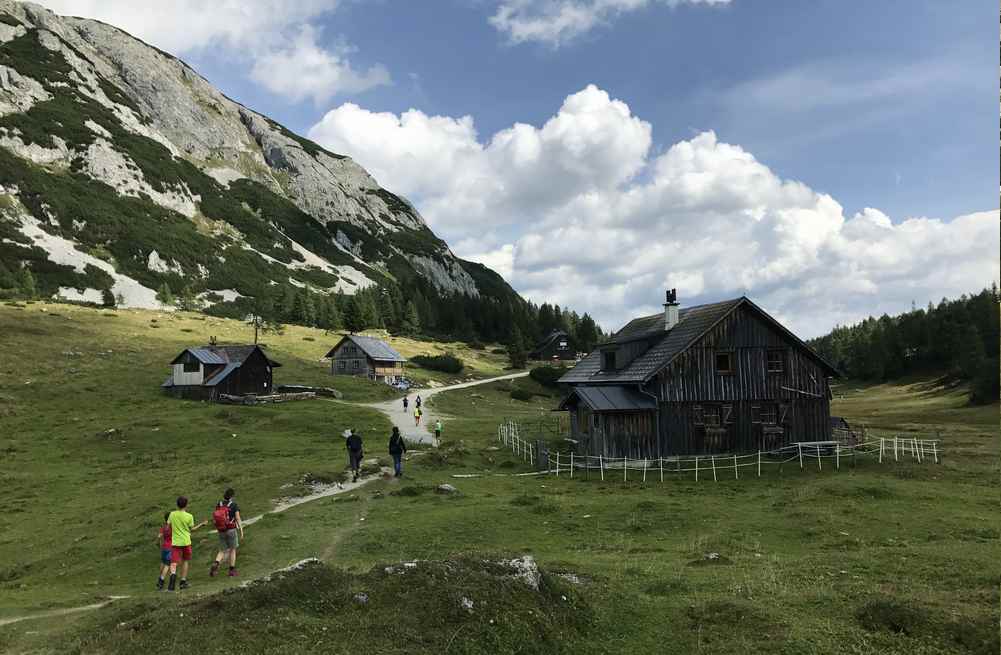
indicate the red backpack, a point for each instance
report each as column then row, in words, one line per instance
column 221, row 518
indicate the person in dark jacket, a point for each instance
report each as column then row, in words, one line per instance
column 355, row 453
column 396, row 448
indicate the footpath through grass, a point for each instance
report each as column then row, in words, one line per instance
column 892, row 558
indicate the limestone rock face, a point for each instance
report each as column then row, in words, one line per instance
column 199, row 181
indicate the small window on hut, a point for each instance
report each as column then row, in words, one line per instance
column 724, row 363
column 608, row 360
column 192, row 367
column 354, row 365
column 697, row 416
column 710, row 415
column 340, row 365
column 776, row 361
column 770, row 414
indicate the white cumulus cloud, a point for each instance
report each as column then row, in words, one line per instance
column 582, row 212
column 555, row 22
column 276, row 38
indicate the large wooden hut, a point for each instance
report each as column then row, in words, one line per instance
column 718, row 378
column 366, row 356
column 206, row 372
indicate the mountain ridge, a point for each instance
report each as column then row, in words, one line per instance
column 123, row 169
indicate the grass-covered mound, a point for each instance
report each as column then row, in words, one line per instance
column 464, row 605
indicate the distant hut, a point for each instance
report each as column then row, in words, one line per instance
column 719, row 378
column 556, row 345
column 206, row 372
column 366, row 356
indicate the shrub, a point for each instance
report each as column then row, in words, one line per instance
column 477, row 345
column 547, row 376
column 521, row 394
column 498, row 351
column 446, row 363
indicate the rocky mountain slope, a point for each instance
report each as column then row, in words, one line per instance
column 121, row 168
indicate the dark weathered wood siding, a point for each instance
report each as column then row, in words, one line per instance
column 702, row 411
column 254, row 376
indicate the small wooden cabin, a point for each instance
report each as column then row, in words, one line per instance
column 556, row 345
column 367, row 356
column 719, row 378
column 208, row 371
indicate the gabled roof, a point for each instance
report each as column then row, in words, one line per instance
column 223, row 354
column 230, row 357
column 549, row 338
column 693, row 323
column 377, row 349
column 610, row 398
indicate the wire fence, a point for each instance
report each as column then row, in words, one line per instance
column 802, row 454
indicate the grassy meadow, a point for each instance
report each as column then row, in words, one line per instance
column 892, row 558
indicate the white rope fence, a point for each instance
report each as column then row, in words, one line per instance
column 723, row 465
column 508, row 434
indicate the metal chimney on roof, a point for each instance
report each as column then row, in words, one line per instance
column 671, row 309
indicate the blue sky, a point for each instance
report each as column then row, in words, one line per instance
column 830, row 159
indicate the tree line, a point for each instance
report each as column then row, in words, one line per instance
column 956, row 338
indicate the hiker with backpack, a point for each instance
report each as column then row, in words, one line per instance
column 417, row 415
column 396, row 449
column 355, row 452
column 437, row 432
column 418, row 401
column 226, row 518
column 406, row 403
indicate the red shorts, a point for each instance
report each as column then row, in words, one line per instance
column 177, row 553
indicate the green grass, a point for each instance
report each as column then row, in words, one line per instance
column 892, row 558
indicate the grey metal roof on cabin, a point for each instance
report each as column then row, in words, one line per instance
column 693, row 322
column 377, row 349
column 611, row 398
column 223, row 354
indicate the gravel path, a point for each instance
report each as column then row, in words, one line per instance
column 404, row 420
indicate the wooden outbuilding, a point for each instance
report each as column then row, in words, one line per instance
column 207, row 372
column 366, row 356
column 710, row 379
column 557, row 345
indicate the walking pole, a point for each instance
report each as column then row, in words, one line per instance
column 714, row 468
column 601, row 467
column 799, row 448
column 735, row 476
column 759, row 463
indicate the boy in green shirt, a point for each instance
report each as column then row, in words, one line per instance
column 182, row 524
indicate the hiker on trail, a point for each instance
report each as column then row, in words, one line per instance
column 396, row 449
column 437, row 431
column 418, row 401
column 406, row 401
column 163, row 541
column 182, row 524
column 226, row 517
column 417, row 415
column 355, row 452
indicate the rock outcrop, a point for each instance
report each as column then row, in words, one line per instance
column 129, row 154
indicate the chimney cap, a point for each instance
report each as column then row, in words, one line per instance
column 672, row 297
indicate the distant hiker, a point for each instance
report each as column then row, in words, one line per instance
column 418, row 401
column 396, row 448
column 406, row 402
column 163, row 541
column 355, row 452
column 417, row 415
column 182, row 524
column 226, row 517
column 437, row 431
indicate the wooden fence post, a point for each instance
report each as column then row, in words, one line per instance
column 934, row 450
column 819, row 466
column 799, row 448
column 557, row 463
column 696, row 468
column 644, row 468
column 895, row 449
column 625, row 469
column 571, row 465
column 735, row 476
column 714, row 468
column 759, row 463
column 661, row 460
column 881, row 450
column 837, row 456
column 918, row 450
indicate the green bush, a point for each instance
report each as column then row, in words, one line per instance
column 447, row 363
column 521, row 394
column 547, row 376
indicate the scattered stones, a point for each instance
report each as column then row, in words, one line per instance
column 466, row 604
column 710, row 556
column 524, row 569
column 446, row 489
column 360, row 598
